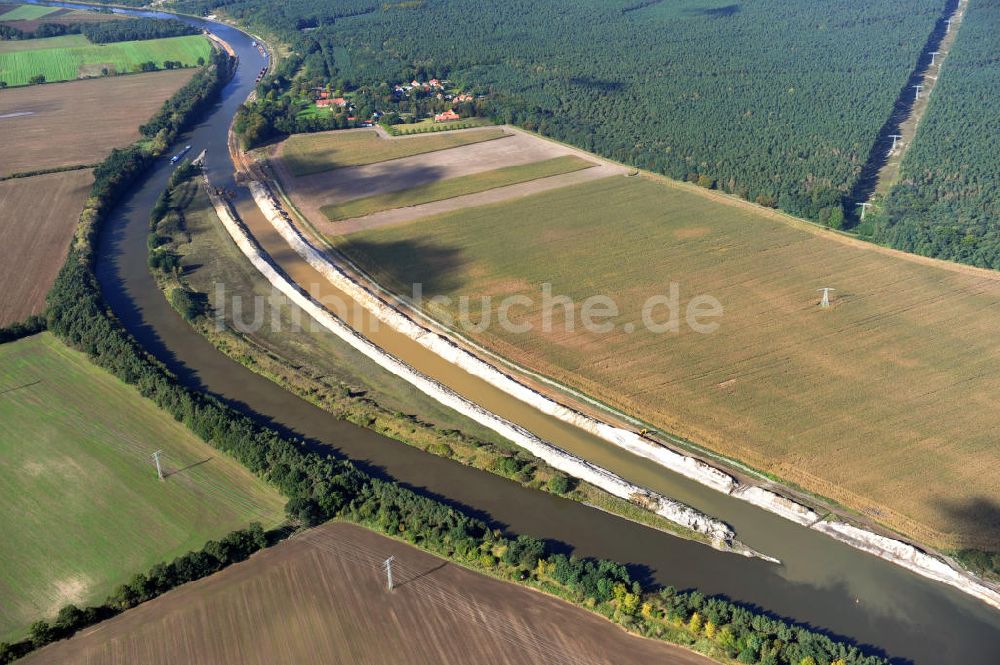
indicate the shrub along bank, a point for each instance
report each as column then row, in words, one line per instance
column 320, row 487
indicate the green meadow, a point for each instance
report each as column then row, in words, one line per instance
column 81, row 508
column 71, row 57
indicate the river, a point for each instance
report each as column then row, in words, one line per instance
column 822, row 583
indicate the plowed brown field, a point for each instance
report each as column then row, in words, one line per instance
column 37, row 218
column 78, row 122
column 321, row 599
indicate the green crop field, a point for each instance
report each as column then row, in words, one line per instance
column 81, row 509
column 447, row 189
column 66, row 58
column 306, row 154
column 66, row 41
column 902, row 372
column 28, row 13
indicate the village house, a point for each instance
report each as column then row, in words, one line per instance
column 447, row 116
column 326, row 102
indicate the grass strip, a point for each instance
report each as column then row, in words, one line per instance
column 452, row 187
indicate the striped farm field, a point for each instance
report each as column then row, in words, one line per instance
column 27, row 12
column 81, row 508
column 886, row 401
column 37, row 218
column 71, row 57
column 452, row 187
column 305, row 154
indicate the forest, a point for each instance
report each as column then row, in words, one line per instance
column 947, row 202
column 774, row 101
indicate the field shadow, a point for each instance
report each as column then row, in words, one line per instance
column 878, row 156
column 979, row 516
column 598, row 85
column 717, row 12
column 20, row 387
column 347, row 183
column 188, row 467
column 411, row 261
column 420, row 576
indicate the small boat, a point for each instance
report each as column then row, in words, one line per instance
column 176, row 158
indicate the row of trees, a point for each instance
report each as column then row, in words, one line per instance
column 106, row 32
column 9, row 32
column 947, row 202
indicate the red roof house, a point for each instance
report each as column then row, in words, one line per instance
column 336, row 101
column 447, row 116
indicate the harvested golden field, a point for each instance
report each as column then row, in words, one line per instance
column 305, row 154
column 886, row 402
column 78, row 122
column 37, row 219
column 321, row 598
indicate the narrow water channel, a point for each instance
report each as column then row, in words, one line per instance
column 821, row 583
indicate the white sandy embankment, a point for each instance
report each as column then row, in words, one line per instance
column 909, row 557
column 720, row 534
column 892, row 550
